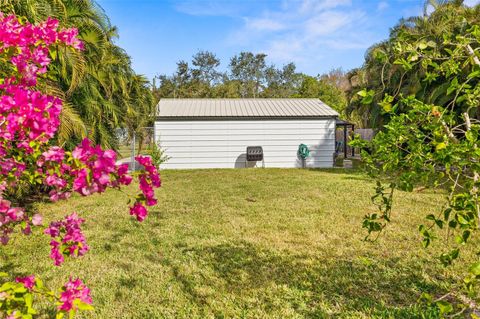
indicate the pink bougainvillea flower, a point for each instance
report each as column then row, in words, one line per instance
column 29, row 119
column 149, row 179
column 68, row 238
column 55, row 253
column 54, row 153
column 37, row 220
column 13, row 315
column 28, row 282
column 139, row 211
column 74, row 290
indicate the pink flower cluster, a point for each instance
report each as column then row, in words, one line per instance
column 149, row 179
column 55, row 172
column 90, row 169
column 28, row 282
column 99, row 166
column 27, row 116
column 74, row 290
column 68, row 238
column 29, row 120
column 10, row 215
column 31, row 43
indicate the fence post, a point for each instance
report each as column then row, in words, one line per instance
column 132, row 160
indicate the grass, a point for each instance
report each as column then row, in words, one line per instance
column 253, row 243
column 125, row 151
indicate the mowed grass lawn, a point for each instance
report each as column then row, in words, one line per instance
column 247, row 243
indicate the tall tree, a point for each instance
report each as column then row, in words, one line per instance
column 387, row 71
column 206, row 64
column 431, row 140
column 249, row 77
column 249, row 70
column 281, row 83
column 312, row 87
column 338, row 78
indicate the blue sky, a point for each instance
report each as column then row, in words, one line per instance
column 318, row 35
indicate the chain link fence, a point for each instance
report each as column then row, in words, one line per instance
column 131, row 144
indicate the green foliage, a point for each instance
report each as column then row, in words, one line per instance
column 249, row 69
column 327, row 92
column 433, row 143
column 16, row 300
column 206, row 64
column 158, row 155
column 16, row 296
column 406, row 63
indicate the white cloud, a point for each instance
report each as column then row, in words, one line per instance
column 471, row 3
column 264, row 24
column 328, row 22
column 348, row 44
column 314, row 6
column 208, row 8
column 285, row 50
column 304, row 31
column 382, row 5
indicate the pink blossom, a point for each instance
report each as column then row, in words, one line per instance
column 68, row 238
column 27, row 230
column 37, row 220
column 57, row 195
column 139, row 211
column 54, row 153
column 149, row 179
column 29, row 120
column 13, row 315
column 55, row 180
column 55, row 253
column 4, row 239
column 74, row 290
column 123, row 177
column 28, row 282
column 69, row 37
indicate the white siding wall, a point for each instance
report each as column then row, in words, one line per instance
column 222, row 144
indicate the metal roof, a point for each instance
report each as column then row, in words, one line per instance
column 243, row 108
column 343, row 122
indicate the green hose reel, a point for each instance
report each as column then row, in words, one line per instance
column 303, row 151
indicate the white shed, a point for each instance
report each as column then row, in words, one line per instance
column 214, row 133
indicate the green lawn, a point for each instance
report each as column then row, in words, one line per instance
column 250, row 243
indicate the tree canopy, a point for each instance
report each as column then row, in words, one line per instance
column 388, row 69
column 422, row 90
column 249, row 75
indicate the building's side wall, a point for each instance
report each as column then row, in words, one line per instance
column 222, row 144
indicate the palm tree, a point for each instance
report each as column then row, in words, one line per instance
column 383, row 71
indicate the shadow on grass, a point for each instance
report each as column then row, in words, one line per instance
column 11, row 269
column 382, row 289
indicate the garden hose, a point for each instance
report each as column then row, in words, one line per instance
column 303, row 151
